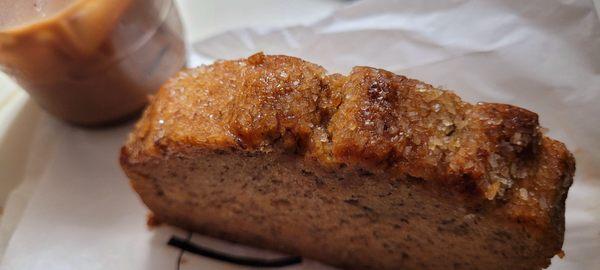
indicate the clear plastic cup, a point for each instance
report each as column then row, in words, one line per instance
column 90, row 62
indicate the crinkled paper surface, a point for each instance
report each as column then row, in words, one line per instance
column 543, row 55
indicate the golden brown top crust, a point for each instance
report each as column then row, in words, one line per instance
column 371, row 119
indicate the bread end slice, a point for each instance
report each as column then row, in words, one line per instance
column 367, row 171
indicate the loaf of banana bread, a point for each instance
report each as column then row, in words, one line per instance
column 367, row 171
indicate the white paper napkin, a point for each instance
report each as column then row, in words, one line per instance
column 539, row 54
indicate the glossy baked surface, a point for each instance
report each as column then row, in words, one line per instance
column 371, row 119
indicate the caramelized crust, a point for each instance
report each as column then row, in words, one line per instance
column 488, row 156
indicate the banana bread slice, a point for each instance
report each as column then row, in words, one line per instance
column 367, row 171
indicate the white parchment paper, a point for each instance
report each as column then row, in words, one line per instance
column 543, row 55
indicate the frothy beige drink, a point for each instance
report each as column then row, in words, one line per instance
column 90, row 62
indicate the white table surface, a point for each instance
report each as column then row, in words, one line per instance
column 21, row 119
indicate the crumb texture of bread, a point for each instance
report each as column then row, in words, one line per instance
column 371, row 170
